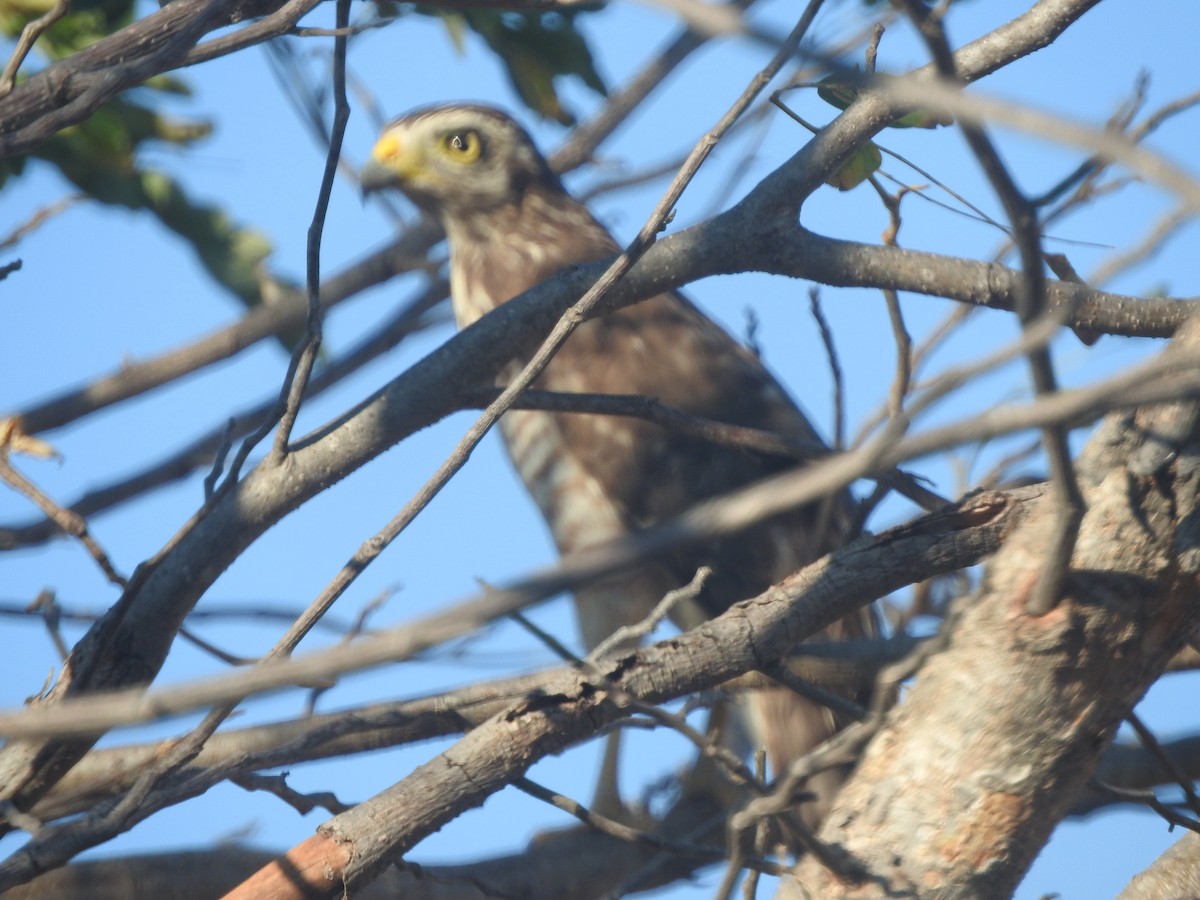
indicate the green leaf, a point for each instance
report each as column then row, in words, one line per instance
column 923, row 118
column 456, row 27
column 86, row 23
column 99, row 157
column 864, row 163
column 100, row 154
column 535, row 48
column 835, row 92
column 840, row 94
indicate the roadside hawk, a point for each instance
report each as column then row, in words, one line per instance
column 510, row 224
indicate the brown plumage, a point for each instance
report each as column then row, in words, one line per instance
column 510, row 225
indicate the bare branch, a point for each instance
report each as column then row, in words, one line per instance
column 84, row 716
column 29, row 35
column 271, row 320
column 991, row 802
column 296, row 383
column 70, row 522
column 568, row 709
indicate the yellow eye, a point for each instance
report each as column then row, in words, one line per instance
column 462, row 146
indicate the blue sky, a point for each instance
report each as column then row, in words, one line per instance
column 100, row 286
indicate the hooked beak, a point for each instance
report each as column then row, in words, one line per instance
column 375, row 176
column 392, row 164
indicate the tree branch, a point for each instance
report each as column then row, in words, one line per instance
column 989, row 771
column 352, row 848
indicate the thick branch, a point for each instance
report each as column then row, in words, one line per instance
column 129, row 644
column 966, row 781
column 1174, row 875
column 151, row 610
column 69, row 91
column 570, row 708
column 804, row 254
column 597, row 862
column 105, row 773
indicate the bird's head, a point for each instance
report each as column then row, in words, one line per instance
column 455, row 161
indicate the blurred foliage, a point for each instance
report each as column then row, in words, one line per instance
column 87, row 22
column 99, row 156
column 864, row 162
column 839, row 93
column 534, row 48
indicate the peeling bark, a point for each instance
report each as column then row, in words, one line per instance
column 960, row 790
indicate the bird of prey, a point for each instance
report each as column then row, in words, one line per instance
column 511, row 224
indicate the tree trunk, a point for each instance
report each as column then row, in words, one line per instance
column 962, row 787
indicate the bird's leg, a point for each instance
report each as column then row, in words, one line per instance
column 609, row 614
column 607, row 799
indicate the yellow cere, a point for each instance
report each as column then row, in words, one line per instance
column 386, row 148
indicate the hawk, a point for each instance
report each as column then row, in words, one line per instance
column 510, row 224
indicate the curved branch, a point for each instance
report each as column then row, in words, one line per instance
column 356, row 845
column 1174, row 874
column 69, row 91
column 129, row 645
column 151, row 610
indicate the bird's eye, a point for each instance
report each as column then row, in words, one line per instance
column 463, row 146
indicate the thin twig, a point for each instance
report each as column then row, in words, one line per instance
column 46, row 606
column 624, row 832
column 1168, row 225
column 307, row 354
column 707, row 746
column 814, row 692
column 835, row 367
column 69, row 522
column 1144, row 798
column 639, row 879
column 218, row 462
column 902, row 381
column 230, row 659
column 38, row 219
column 628, row 634
column 1031, row 301
column 1150, row 742
column 278, row 786
column 761, row 835
column 29, row 35
column 974, row 212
